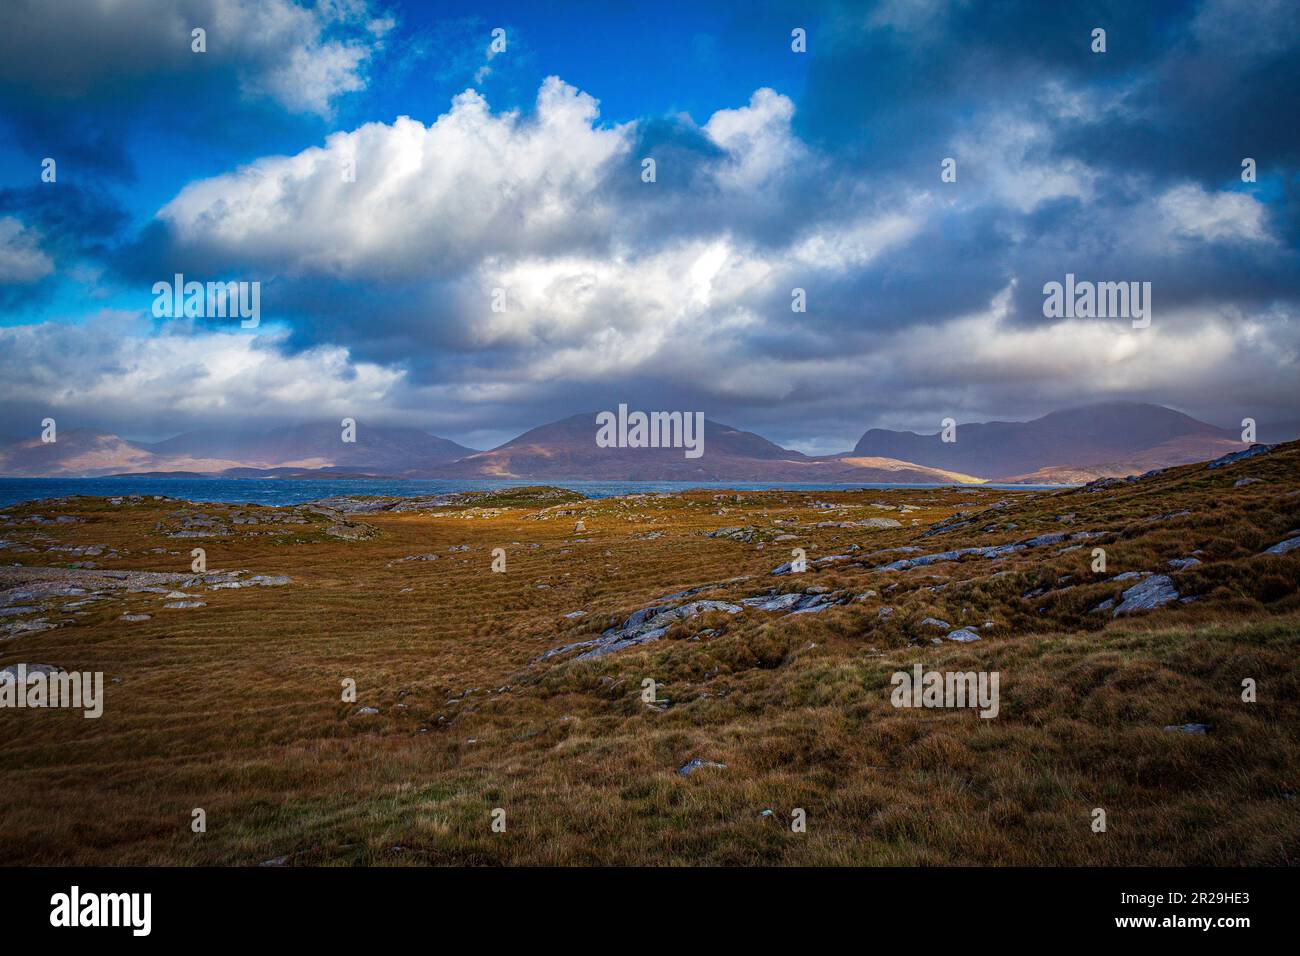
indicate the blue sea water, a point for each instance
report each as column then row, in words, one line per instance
column 268, row 491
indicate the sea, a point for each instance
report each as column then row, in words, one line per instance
column 293, row 491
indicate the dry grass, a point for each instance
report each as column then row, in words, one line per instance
column 235, row 707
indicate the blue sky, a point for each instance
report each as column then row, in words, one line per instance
column 521, row 170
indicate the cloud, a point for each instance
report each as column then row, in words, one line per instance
column 21, row 258
column 426, row 199
column 1190, row 212
column 303, row 57
column 116, row 366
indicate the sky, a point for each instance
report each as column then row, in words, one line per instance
column 521, row 169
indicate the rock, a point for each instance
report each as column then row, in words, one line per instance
column 575, row 614
column 1284, row 547
column 885, row 613
column 270, row 580
column 1105, row 605
column 1243, row 482
column 691, row 766
column 935, row 622
column 1187, row 729
column 1155, row 591
column 963, row 635
column 367, row 711
column 1252, row 452
column 134, row 617
column 178, row 605
column 1182, row 564
column 642, row 627
column 1042, row 539
column 12, row 672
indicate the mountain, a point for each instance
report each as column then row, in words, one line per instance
column 1072, row 446
column 83, row 451
column 1078, row 444
column 404, row 452
column 282, row 452
column 568, row 449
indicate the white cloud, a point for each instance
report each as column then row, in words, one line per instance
column 301, row 56
column 426, row 200
column 1190, row 212
column 21, row 258
column 116, row 365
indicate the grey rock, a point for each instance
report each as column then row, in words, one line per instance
column 270, row 580
column 1187, row 729
column 1182, row 564
column 1155, row 591
column 691, row 766
column 963, row 635
column 10, row 673
column 1284, row 547
column 1253, row 451
column 935, row 622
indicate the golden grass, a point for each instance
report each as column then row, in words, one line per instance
column 235, row 707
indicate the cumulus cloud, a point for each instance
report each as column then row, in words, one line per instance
column 426, row 199
column 116, row 366
column 21, row 258
column 1190, row 212
column 301, row 56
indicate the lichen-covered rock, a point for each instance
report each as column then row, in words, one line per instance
column 1155, row 591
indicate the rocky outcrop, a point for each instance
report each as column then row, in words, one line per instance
column 1285, row 547
column 642, row 627
column 1254, row 451
column 1153, row 592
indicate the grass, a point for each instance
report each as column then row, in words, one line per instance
column 236, row 707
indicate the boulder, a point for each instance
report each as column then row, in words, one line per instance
column 1155, row 591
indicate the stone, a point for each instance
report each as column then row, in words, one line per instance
column 1187, row 729
column 1253, row 451
column 1182, row 564
column 1284, row 547
column 1155, row 591
column 691, row 766
column 963, row 635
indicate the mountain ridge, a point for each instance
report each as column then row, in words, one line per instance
column 1068, row 446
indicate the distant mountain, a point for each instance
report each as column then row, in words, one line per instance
column 1070, row 446
column 282, row 452
column 568, row 449
column 1114, row 438
column 404, row 452
column 80, row 451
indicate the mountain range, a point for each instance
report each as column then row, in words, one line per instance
column 1074, row 445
